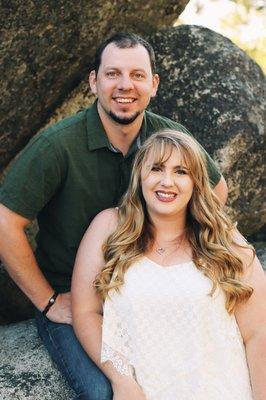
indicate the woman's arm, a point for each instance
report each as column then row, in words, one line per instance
column 87, row 307
column 251, row 319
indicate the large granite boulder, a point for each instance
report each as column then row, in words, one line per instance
column 27, row 372
column 216, row 91
column 78, row 99
column 47, row 47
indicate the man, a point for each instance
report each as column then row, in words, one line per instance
column 64, row 177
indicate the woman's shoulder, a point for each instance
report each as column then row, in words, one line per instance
column 102, row 226
column 107, row 219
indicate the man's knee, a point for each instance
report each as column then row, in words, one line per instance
column 84, row 377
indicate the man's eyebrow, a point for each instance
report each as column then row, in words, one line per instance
column 139, row 69
column 118, row 69
column 111, row 67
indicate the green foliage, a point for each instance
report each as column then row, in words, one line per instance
column 246, row 29
column 242, row 21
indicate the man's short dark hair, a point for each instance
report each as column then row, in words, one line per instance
column 124, row 40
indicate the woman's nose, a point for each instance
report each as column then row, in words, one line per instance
column 167, row 179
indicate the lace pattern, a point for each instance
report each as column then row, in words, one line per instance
column 176, row 340
column 119, row 362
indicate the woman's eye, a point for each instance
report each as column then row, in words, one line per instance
column 156, row 168
column 181, row 171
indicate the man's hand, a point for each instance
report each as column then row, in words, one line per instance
column 61, row 310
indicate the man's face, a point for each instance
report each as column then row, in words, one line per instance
column 124, row 83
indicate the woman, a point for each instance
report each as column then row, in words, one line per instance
column 168, row 299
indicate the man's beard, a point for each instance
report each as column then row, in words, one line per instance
column 124, row 120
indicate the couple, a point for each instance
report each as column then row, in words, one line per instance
column 65, row 177
column 168, row 299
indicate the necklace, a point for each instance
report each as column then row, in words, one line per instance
column 162, row 250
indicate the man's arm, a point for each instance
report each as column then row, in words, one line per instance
column 19, row 260
column 221, row 190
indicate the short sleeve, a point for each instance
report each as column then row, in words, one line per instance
column 32, row 179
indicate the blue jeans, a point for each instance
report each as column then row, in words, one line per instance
column 83, row 376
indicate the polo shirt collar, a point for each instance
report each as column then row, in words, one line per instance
column 97, row 137
column 140, row 139
column 143, row 130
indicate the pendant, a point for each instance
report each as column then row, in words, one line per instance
column 160, row 250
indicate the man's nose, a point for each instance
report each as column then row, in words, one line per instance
column 125, row 83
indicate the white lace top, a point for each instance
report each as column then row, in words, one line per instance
column 177, row 342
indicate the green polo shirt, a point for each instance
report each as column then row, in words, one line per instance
column 65, row 176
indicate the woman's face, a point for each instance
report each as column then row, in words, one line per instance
column 168, row 187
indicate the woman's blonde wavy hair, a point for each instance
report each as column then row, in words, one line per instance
column 208, row 231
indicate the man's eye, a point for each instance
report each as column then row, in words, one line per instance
column 139, row 76
column 111, row 74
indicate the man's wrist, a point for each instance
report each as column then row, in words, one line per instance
column 50, row 303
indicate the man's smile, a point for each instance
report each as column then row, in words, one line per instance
column 124, row 100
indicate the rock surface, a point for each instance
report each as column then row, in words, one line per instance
column 216, row 91
column 79, row 99
column 26, row 372
column 47, row 47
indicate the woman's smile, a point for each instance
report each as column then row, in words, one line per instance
column 165, row 196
